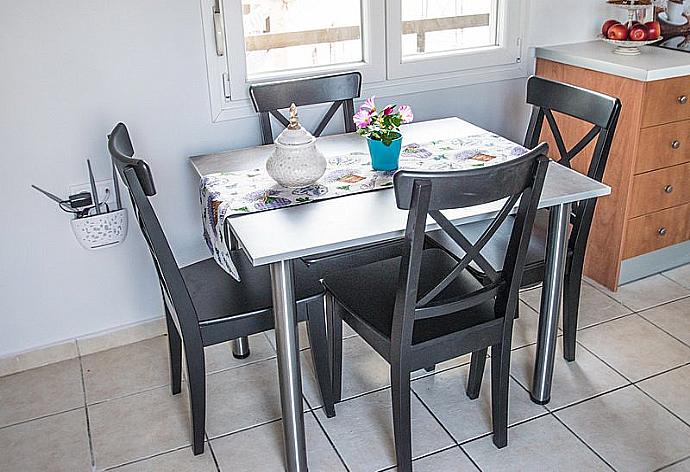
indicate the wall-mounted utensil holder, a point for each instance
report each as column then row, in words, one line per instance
column 102, row 230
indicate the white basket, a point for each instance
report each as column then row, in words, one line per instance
column 100, row 231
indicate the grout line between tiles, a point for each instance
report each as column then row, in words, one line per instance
column 213, row 453
column 672, row 464
column 662, row 405
column 330, row 441
column 584, row 442
column 662, row 329
column 41, row 417
column 86, row 414
column 145, row 458
column 427, row 408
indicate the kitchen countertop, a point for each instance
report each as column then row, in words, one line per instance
column 653, row 64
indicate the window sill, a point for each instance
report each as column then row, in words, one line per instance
column 239, row 109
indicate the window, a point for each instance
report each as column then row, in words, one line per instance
column 391, row 42
column 282, row 36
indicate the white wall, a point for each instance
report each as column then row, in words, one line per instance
column 69, row 71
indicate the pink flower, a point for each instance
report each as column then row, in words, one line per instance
column 369, row 104
column 406, row 113
column 388, row 110
column 362, row 118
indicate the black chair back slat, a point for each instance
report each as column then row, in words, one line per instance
column 599, row 110
column 426, row 193
column 136, row 176
column 340, row 89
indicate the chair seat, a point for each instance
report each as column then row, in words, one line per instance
column 216, row 295
column 495, row 249
column 367, row 293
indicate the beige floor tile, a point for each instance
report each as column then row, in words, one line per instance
column 680, row 275
column 243, row 397
column 182, row 460
column 444, row 394
column 261, row 448
column 586, row 377
column 634, row 347
column 41, row 391
column 543, row 444
column 674, row 318
column 629, row 430
column 219, row 357
column 649, row 292
column 139, row 426
column 595, row 306
column 672, row 390
column 362, row 431
column 55, row 443
column 127, row 369
column 450, row 460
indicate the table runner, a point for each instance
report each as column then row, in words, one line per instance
column 227, row 194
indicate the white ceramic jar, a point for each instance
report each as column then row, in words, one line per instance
column 295, row 161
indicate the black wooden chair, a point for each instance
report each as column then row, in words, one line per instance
column 424, row 307
column 601, row 112
column 340, row 89
column 203, row 304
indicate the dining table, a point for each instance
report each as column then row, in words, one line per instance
column 280, row 237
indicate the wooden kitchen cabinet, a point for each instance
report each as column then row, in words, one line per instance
column 649, row 164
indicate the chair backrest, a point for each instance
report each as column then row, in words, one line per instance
column 428, row 193
column 600, row 111
column 137, row 177
column 341, row 89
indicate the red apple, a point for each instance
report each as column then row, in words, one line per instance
column 607, row 25
column 618, row 32
column 638, row 33
column 653, row 30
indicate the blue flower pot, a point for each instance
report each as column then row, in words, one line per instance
column 384, row 157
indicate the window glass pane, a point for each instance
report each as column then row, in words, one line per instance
column 283, row 35
column 446, row 26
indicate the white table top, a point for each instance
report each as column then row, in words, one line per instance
column 344, row 222
column 653, row 64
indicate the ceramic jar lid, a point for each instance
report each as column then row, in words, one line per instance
column 294, row 135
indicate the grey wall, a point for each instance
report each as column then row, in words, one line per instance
column 70, row 70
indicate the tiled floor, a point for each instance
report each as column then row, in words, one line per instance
column 623, row 405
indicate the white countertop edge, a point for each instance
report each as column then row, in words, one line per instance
column 593, row 64
column 570, row 55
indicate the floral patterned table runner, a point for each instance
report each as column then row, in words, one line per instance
column 228, row 194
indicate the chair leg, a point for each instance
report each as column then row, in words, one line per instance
column 474, row 380
column 431, row 368
column 240, row 348
column 500, row 378
column 335, row 339
column 571, row 307
column 318, row 340
column 196, row 374
column 402, row 423
column 175, row 353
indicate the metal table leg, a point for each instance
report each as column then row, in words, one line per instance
column 240, row 348
column 556, row 250
column 285, row 313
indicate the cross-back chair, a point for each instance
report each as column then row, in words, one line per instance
column 601, row 113
column 424, row 307
column 340, row 89
column 203, row 304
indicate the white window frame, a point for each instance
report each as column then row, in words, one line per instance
column 507, row 51
column 383, row 71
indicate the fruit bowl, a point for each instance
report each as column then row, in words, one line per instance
column 629, row 48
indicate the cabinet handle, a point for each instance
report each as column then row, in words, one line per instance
column 662, row 231
column 683, row 99
column 675, row 144
column 668, row 189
